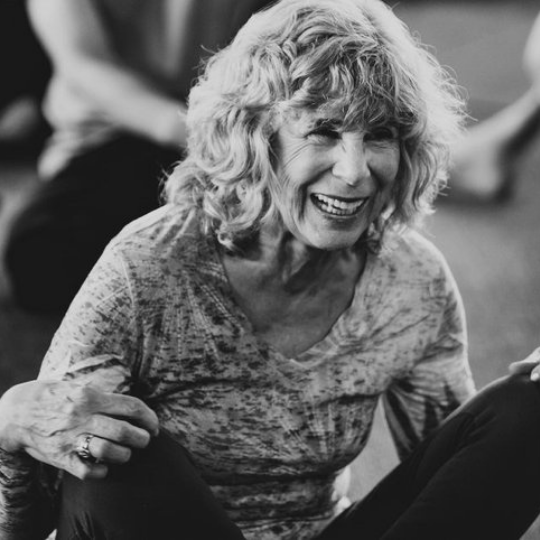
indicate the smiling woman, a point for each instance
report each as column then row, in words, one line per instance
column 357, row 71
column 333, row 182
column 257, row 318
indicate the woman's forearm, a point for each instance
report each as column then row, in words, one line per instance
column 25, row 508
column 26, row 511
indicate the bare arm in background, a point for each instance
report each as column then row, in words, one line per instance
column 46, row 419
column 74, row 37
column 531, row 58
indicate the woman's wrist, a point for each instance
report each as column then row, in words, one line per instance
column 10, row 442
column 16, row 462
column 12, row 455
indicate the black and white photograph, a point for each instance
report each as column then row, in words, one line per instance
column 269, row 270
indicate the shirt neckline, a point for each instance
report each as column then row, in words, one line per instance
column 315, row 351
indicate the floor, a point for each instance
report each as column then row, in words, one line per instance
column 494, row 250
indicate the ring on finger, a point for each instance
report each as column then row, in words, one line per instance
column 83, row 449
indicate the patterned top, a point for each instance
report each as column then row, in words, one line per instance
column 270, row 434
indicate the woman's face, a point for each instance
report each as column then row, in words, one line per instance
column 333, row 183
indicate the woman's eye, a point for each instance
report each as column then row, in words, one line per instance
column 325, row 133
column 381, row 134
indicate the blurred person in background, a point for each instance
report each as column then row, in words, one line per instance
column 122, row 70
column 485, row 162
column 25, row 74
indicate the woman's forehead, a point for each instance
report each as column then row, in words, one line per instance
column 339, row 114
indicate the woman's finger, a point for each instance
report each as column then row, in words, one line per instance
column 523, row 366
column 107, row 451
column 530, row 365
column 74, row 465
column 118, row 431
column 535, row 374
column 129, row 408
column 86, row 469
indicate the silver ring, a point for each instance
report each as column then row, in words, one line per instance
column 83, row 449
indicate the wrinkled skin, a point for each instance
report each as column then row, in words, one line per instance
column 48, row 419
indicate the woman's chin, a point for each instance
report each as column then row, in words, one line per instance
column 333, row 241
column 337, row 236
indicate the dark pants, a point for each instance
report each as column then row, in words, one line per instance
column 477, row 477
column 67, row 221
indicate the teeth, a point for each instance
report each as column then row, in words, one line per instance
column 336, row 206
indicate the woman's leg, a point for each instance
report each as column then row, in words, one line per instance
column 67, row 222
column 477, row 476
column 158, row 494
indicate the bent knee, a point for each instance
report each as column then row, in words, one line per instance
column 514, row 400
column 518, row 391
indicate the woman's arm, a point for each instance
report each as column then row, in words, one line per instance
column 440, row 379
column 90, row 364
column 26, row 511
column 45, row 420
column 73, row 35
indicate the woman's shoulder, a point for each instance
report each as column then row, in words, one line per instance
column 168, row 235
column 162, row 250
column 403, row 291
column 161, row 255
column 412, row 256
column 409, row 266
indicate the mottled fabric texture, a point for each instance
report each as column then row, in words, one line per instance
column 270, row 434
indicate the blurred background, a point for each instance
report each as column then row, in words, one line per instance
column 492, row 248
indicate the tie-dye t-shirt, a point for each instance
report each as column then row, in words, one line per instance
column 270, row 434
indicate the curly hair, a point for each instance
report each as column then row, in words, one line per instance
column 355, row 55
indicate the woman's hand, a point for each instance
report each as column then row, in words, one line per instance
column 530, row 365
column 49, row 420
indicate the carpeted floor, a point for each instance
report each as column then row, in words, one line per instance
column 494, row 251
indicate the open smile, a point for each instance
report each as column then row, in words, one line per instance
column 338, row 206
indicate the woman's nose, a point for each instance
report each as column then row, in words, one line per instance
column 351, row 162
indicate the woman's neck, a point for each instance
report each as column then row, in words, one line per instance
column 291, row 293
column 288, row 263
